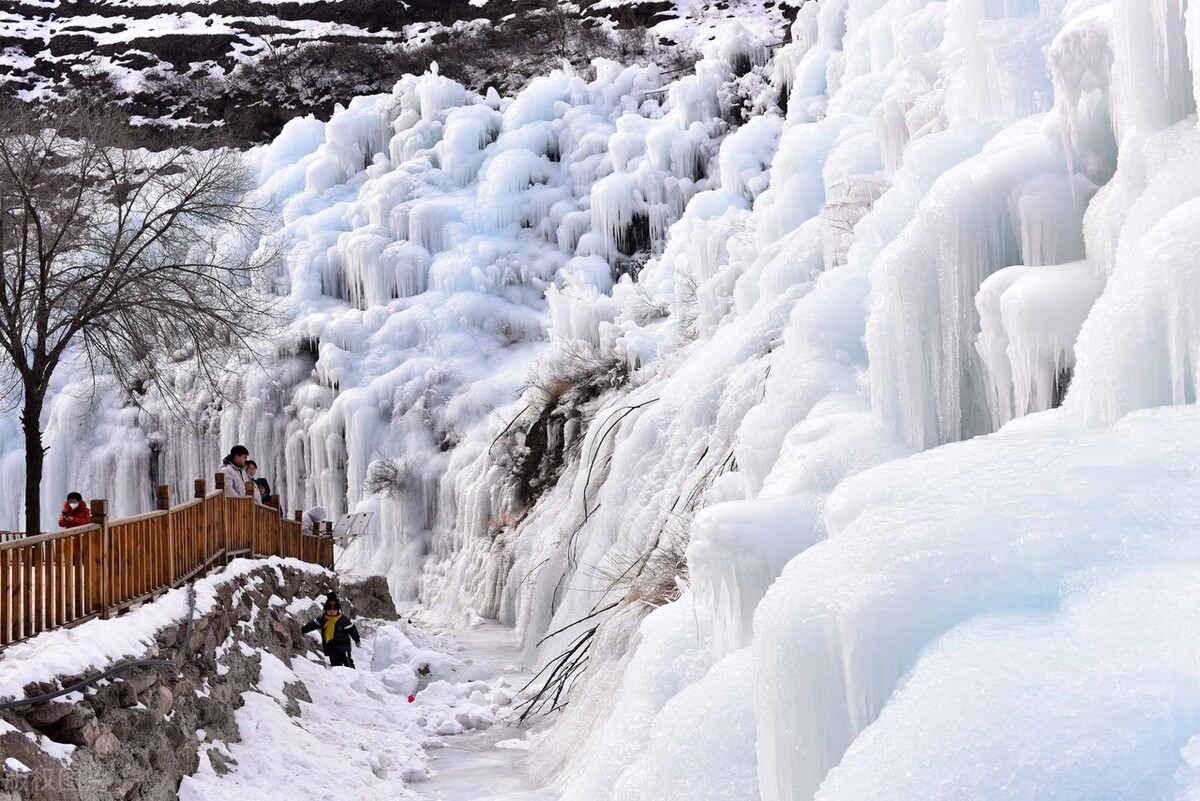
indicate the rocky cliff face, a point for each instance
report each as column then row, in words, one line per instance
column 246, row 67
column 136, row 735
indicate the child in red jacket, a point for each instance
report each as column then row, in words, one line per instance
column 75, row 512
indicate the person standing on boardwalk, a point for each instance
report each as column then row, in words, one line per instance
column 234, row 470
column 337, row 631
column 75, row 512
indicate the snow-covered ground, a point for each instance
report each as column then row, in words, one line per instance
column 361, row 738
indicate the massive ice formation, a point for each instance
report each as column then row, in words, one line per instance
column 773, row 345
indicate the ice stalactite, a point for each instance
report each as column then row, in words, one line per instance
column 1030, row 319
column 1136, row 229
column 1152, row 299
column 818, row 29
column 927, row 380
column 469, row 130
column 913, row 105
column 1153, row 78
column 1081, row 63
column 1003, row 74
column 619, row 214
column 352, row 138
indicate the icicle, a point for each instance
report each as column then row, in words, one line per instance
column 1030, row 318
column 1081, row 63
column 1004, row 70
column 925, row 373
column 1154, row 87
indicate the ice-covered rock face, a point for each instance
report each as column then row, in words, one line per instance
column 1000, row 261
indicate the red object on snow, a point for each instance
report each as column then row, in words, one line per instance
column 412, row 698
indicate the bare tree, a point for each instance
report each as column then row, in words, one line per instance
column 128, row 259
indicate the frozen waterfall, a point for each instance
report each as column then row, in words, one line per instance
column 833, row 398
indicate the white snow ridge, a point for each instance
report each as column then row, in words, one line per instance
column 822, row 416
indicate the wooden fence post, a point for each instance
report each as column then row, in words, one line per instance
column 219, row 483
column 200, row 489
column 329, row 539
column 162, row 502
column 100, row 563
column 298, row 516
column 253, row 527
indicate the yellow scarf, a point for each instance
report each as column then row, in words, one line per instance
column 330, row 626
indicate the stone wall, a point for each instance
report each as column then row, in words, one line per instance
column 135, row 734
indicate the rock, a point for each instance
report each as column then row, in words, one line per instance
column 36, row 688
column 140, row 680
column 43, row 715
column 221, row 764
column 83, row 736
column 370, row 598
column 163, row 701
column 127, row 695
column 46, row 780
column 76, row 718
column 106, row 744
column 215, row 715
column 280, row 630
column 295, row 692
column 169, row 637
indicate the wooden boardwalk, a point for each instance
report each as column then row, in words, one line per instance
column 66, row 577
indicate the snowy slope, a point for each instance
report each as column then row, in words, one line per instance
column 249, row 66
column 760, row 359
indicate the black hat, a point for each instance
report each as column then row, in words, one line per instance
column 332, row 602
column 239, row 450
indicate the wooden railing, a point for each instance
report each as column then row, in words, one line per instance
column 64, row 578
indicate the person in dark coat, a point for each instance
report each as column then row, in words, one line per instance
column 75, row 512
column 337, row 630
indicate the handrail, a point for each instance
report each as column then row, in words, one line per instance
column 58, row 579
column 48, row 536
column 186, row 505
column 140, row 518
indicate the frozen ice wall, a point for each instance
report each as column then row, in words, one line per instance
column 965, row 217
column 429, row 241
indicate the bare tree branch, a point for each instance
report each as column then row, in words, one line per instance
column 139, row 262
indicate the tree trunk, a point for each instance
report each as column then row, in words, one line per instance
column 35, row 456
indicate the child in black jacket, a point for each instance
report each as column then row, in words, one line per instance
column 336, row 632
